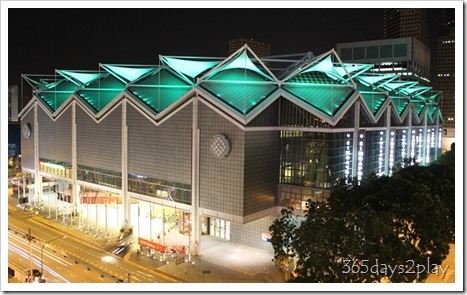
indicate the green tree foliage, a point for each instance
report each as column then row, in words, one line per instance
column 403, row 220
column 282, row 232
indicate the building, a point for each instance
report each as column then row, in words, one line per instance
column 446, row 74
column 260, row 48
column 407, row 22
column 406, row 57
column 12, row 103
column 213, row 148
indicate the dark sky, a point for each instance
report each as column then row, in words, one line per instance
column 41, row 40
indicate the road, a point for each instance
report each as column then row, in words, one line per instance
column 67, row 259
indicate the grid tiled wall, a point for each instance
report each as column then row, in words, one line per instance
column 100, row 144
column 161, row 152
column 261, row 170
column 221, row 180
column 250, row 233
column 55, row 137
column 27, row 144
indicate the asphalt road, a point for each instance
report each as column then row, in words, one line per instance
column 72, row 261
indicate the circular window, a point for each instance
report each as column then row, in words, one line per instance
column 220, row 146
column 26, row 130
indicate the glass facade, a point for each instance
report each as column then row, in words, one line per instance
column 172, row 191
column 100, row 176
column 55, row 168
column 314, row 159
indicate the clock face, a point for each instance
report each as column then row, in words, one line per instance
column 26, row 130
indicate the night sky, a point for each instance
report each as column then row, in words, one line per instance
column 41, row 40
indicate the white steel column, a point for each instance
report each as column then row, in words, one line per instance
column 195, row 235
column 387, row 147
column 409, row 139
column 355, row 139
column 37, row 183
column 425, row 138
column 126, row 200
column 74, row 161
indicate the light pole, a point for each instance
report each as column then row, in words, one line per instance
column 42, row 253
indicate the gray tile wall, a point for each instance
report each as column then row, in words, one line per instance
column 221, row 180
column 99, row 144
column 262, row 150
column 27, row 144
column 55, row 137
column 250, row 233
column 161, row 152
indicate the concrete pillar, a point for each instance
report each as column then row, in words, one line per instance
column 126, row 199
column 195, row 238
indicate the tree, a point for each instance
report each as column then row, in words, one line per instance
column 395, row 221
column 282, row 234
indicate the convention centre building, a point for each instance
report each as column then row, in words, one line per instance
column 215, row 147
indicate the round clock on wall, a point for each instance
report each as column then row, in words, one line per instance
column 26, row 130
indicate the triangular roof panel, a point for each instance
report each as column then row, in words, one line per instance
column 127, row 73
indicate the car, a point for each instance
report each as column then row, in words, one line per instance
column 121, row 248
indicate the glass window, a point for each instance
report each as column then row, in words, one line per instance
column 346, row 53
column 372, row 52
column 400, row 50
column 359, row 53
column 385, row 51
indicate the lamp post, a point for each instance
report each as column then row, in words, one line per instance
column 42, row 253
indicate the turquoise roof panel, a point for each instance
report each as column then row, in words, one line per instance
column 156, row 99
column 312, row 78
column 419, row 105
column 53, row 100
column 400, row 104
column 327, row 99
column 128, row 73
column 162, row 77
column 374, row 79
column 191, row 68
column 352, row 69
column 98, row 99
column 374, row 101
column 242, row 61
column 79, row 77
column 108, row 83
column 242, row 97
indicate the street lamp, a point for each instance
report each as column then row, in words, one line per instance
column 42, row 253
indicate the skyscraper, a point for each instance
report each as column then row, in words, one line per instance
column 406, row 22
column 446, row 71
column 13, row 103
column 260, row 48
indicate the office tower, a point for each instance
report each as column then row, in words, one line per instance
column 13, row 103
column 259, row 48
column 406, row 22
column 407, row 57
column 446, row 72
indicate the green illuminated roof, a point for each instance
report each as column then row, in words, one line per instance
column 374, row 100
column 375, row 79
column 53, row 100
column 419, row 105
column 324, row 98
column 127, row 73
column 400, row 103
column 80, row 78
column 242, row 97
column 191, row 68
column 159, row 90
column 242, row 83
